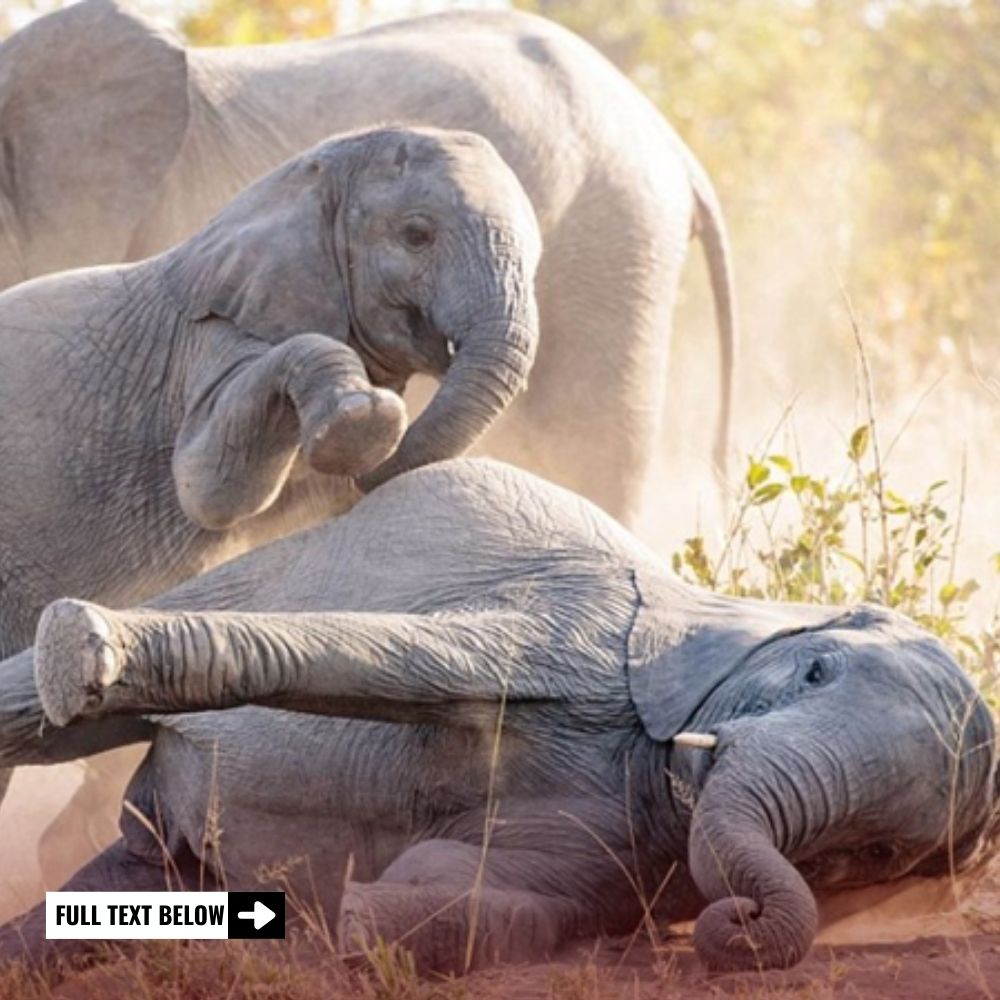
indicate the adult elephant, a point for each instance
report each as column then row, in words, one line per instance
column 492, row 717
column 120, row 164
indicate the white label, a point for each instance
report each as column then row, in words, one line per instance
column 135, row 916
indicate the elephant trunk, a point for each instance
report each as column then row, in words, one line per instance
column 761, row 913
column 490, row 367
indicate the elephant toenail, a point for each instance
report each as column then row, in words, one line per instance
column 353, row 403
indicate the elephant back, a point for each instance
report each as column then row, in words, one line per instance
column 441, row 537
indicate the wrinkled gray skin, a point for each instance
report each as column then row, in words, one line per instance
column 852, row 749
column 121, row 164
column 158, row 418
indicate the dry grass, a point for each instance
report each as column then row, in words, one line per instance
column 257, row 971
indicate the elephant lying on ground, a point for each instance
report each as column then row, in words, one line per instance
column 382, row 653
column 119, row 165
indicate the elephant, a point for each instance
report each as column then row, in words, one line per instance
column 159, row 417
column 120, row 165
column 514, row 728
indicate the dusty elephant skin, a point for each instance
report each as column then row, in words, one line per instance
column 116, row 166
column 769, row 751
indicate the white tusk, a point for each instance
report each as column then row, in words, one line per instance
column 703, row 741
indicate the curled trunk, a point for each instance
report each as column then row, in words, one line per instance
column 490, row 367
column 761, row 913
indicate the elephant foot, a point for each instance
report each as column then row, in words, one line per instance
column 401, row 916
column 75, row 661
column 362, row 432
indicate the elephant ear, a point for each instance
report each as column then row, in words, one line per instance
column 685, row 642
column 269, row 261
column 93, row 111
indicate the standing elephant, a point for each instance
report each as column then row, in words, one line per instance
column 833, row 747
column 121, row 164
column 157, row 418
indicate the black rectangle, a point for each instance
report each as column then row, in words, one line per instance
column 255, row 923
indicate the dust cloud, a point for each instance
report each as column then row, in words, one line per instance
column 36, row 795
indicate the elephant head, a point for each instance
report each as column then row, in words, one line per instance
column 126, row 79
column 416, row 247
column 810, row 729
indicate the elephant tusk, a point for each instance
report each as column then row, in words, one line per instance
column 703, row 741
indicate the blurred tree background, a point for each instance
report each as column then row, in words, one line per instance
column 855, row 136
column 853, row 140
column 236, row 22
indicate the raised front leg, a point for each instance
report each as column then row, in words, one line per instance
column 91, row 661
column 244, row 429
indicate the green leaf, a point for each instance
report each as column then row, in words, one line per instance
column 859, row 442
column 757, row 474
column 851, row 558
column 765, row 494
column 782, row 462
column 799, row 483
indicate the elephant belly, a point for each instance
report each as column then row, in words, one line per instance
column 254, row 786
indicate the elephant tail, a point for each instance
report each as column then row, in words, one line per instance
column 710, row 227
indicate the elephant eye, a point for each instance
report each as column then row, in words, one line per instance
column 417, row 235
column 819, row 670
column 881, row 852
column 815, row 674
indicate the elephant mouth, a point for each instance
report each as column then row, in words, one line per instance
column 867, row 865
column 694, row 756
column 382, row 372
column 428, row 352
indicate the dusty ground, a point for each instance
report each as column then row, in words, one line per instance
column 912, row 943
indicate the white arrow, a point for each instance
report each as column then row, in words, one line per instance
column 260, row 915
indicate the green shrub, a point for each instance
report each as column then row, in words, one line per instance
column 795, row 536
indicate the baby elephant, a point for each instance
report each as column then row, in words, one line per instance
column 159, row 417
column 518, row 725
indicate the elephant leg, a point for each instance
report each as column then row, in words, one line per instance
column 26, row 737
column 453, row 669
column 243, row 432
column 456, row 910
column 591, row 419
column 115, row 870
column 90, row 818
